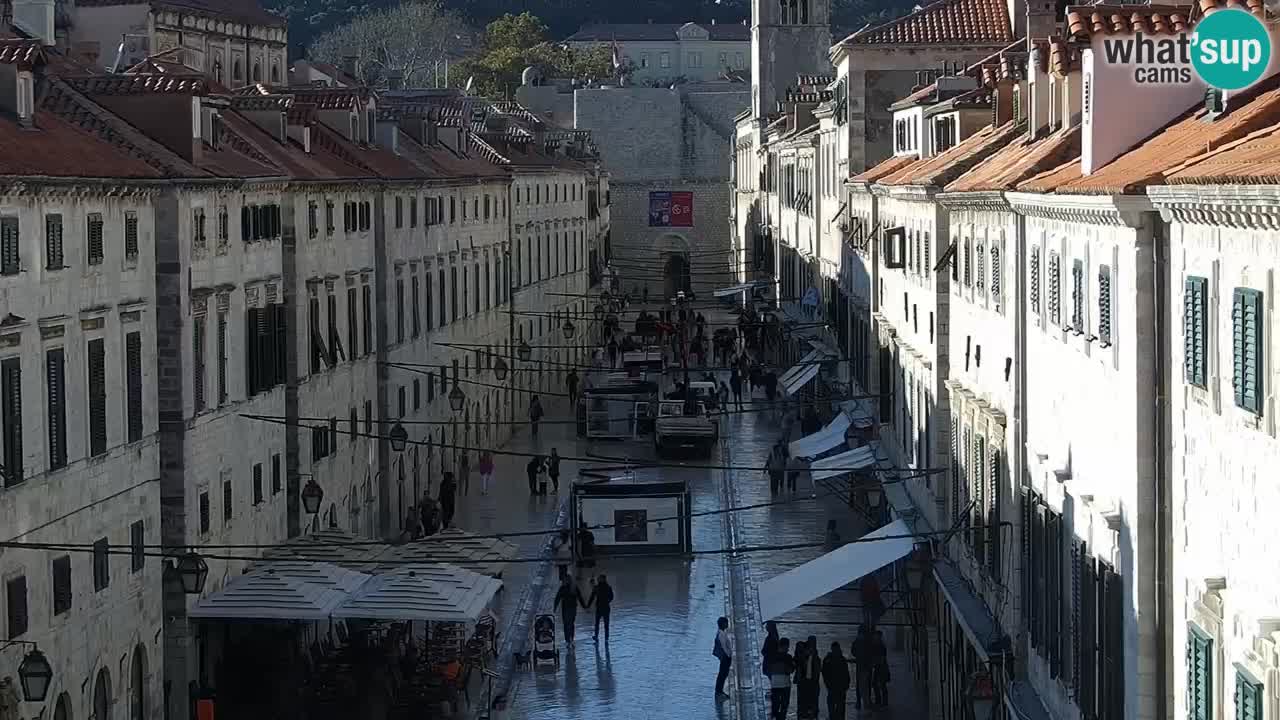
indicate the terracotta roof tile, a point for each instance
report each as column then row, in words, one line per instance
column 944, row 167
column 885, row 168
column 1018, row 161
column 1084, row 22
column 1257, row 7
column 128, row 84
column 928, row 94
column 946, row 22
column 1185, row 138
column 327, row 98
column 333, row 71
column 21, row 52
column 1062, row 57
column 1252, row 160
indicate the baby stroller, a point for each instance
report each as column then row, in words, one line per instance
column 544, row 640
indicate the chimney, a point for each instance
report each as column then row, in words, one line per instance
column 19, row 95
column 1002, row 105
column 395, row 80
column 713, row 21
column 35, row 17
column 349, row 64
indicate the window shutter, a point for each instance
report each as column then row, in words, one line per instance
column 1247, row 349
column 1194, row 339
column 1248, row 698
column 61, row 584
column 10, row 243
column 252, row 382
column 1055, row 284
column 222, row 357
column 1078, row 552
column 980, row 269
column 133, row 384
column 1026, row 533
column 53, row 241
column 198, row 362
column 1113, row 668
column 55, row 379
column 978, row 480
column 1077, row 296
column 997, row 272
column 16, row 601
column 1035, row 280
column 281, row 340
column 1104, row 305
column 97, row 397
column 1052, row 575
column 11, row 392
column 1089, row 637
column 1199, row 676
column 246, row 223
column 131, row 234
column 993, row 513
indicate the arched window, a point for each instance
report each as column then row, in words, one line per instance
column 217, row 71
column 804, row 12
column 257, row 72
column 62, row 711
column 138, row 685
column 102, row 695
column 275, row 73
column 237, row 71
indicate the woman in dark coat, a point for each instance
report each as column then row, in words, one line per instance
column 808, row 672
column 835, row 673
column 770, row 645
column 448, row 490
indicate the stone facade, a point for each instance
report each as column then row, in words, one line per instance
column 658, row 55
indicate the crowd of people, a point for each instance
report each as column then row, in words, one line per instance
column 808, row 670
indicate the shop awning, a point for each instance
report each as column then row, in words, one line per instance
column 298, row 592
column 797, row 382
column 825, row 439
column 333, row 546
column 487, row 556
column 435, row 593
column 811, row 360
column 860, row 413
column 842, row 463
column 970, row 611
column 740, row 288
column 846, row 564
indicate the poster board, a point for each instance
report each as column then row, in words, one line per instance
column 670, row 209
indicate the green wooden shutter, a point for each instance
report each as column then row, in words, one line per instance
column 133, row 385
column 55, row 380
column 1248, row 698
column 11, row 399
column 1247, row 352
column 1194, row 325
column 1199, row 676
column 97, row 374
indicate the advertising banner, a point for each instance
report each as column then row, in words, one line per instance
column 670, row 209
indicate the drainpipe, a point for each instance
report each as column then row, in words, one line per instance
column 1162, row 434
column 1020, row 431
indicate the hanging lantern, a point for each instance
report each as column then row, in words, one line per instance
column 500, row 369
column 524, row 351
column 457, row 399
column 35, row 674
column 312, row 497
column 398, row 437
column 569, row 329
column 192, row 571
column 874, row 496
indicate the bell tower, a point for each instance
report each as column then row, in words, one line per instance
column 788, row 38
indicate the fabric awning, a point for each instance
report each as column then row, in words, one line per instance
column 825, row 439
column 842, row 463
column 797, row 382
column 974, row 617
column 487, row 556
column 808, row 361
column 742, row 287
column 834, row 570
column 300, row 592
column 436, row 593
column 859, row 413
column 330, row 545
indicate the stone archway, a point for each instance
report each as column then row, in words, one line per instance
column 673, row 249
column 138, row 685
column 102, row 696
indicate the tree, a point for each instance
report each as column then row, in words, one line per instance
column 411, row 39
column 515, row 42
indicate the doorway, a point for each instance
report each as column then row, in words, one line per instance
column 676, row 275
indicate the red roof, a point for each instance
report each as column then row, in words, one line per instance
column 944, row 167
column 57, row 148
column 946, row 22
column 885, row 168
column 1252, row 160
column 1082, row 22
column 132, row 84
column 21, row 52
column 1018, row 161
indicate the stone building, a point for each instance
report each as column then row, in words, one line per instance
column 660, row 54
column 661, row 147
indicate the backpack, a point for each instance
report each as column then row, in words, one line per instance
column 716, row 650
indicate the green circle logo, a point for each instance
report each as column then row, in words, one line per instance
column 1230, row 49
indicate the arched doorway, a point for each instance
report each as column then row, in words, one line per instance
column 675, row 275
column 102, row 696
column 138, row 685
column 62, row 711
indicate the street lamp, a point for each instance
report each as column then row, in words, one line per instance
column 398, row 436
column 312, row 497
column 191, row 571
column 599, row 310
column 500, row 369
column 524, row 351
column 457, row 399
column 874, row 496
column 569, row 329
column 35, row 674
column 914, row 574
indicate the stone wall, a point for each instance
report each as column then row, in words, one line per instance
column 707, row 242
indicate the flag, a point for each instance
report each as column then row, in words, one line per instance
column 471, row 81
column 617, row 57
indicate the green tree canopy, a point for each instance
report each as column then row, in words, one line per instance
column 515, row 42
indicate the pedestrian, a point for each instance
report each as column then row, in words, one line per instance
column 735, row 384
column 770, row 645
column 833, row 536
column 602, row 600
column 808, row 674
column 723, row 651
column 795, row 466
column 781, row 668
column 723, row 397
column 756, row 377
column 553, row 469
column 429, row 514
column 644, row 294
column 563, row 551
column 835, row 675
column 535, row 413
column 586, row 548
column 486, row 471
column 531, row 469
column 567, row 601
column 448, row 491
column 464, row 473
column 571, row 382
column 879, row 670
column 775, row 467
column 770, row 387
column 612, row 349
column 413, row 524
column 862, row 666
column 869, row 587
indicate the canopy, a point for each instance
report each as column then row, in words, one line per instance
column 807, row 374
column 743, row 287
column 487, row 556
column 860, row 413
column 808, row 361
column 330, row 545
column 842, row 463
column 812, row 580
column 436, row 593
column 823, row 440
column 295, row 591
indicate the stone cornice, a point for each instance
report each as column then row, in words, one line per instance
column 1114, row 210
column 25, row 187
column 1245, row 207
column 917, row 193
column 983, row 200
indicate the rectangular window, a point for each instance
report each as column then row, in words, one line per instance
column 399, row 310
column 204, row 513
column 61, row 584
column 1077, row 296
column 431, row 320
column 319, row 353
column 222, row 358
column 1055, row 287
column 1199, row 675
column 227, row 501
column 93, row 238
column 399, row 212
column 97, row 376
column 53, row 257
column 11, row 382
column 413, row 212
column 15, row 592
column 257, row 483
column 1104, row 305
column 133, row 385
column 224, row 226
column 1248, row 698
column 275, row 474
column 10, row 246
column 368, row 417
column 366, row 319
column 417, row 394
column 198, row 363
column 997, row 272
column 336, row 352
column 1034, row 272
column 664, row 60
column 313, row 220
column 56, row 388
column 1195, row 330
column 402, row 400
column 444, row 305
column 101, row 565
column 352, row 322
column 137, row 546
column 415, row 310
column 1247, row 313
column 130, row 235
column 328, row 217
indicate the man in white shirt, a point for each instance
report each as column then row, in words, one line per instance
column 724, row 653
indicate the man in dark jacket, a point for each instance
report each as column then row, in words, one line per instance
column 835, row 674
column 602, row 600
column 448, row 490
column 567, row 601
column 862, row 661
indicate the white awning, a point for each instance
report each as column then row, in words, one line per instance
column 808, row 361
column 823, row 440
column 743, row 287
column 846, row 564
column 294, row 591
column 484, row 555
column 436, row 593
column 842, row 464
column 805, row 377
